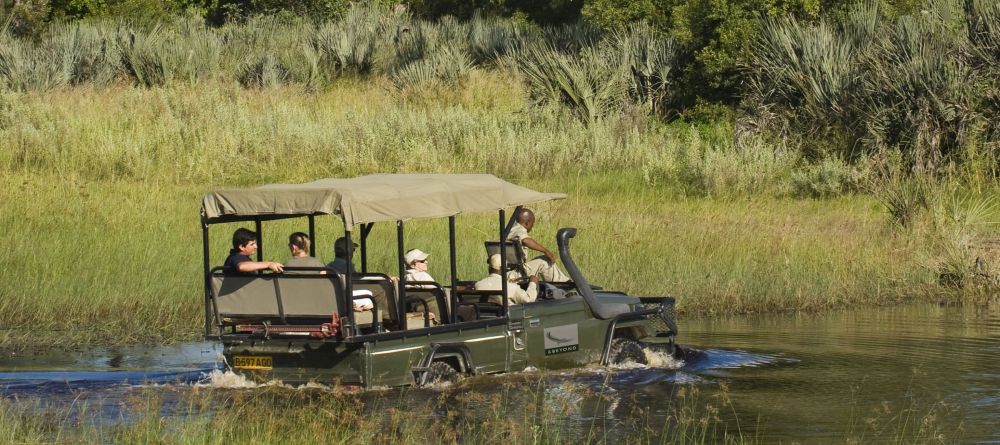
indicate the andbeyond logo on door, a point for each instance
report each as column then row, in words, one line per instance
column 562, row 339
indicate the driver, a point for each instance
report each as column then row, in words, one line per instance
column 515, row 294
column 543, row 265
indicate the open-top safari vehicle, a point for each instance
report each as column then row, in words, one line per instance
column 301, row 325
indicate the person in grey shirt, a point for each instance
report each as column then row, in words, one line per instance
column 298, row 243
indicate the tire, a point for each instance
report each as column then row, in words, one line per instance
column 624, row 350
column 441, row 372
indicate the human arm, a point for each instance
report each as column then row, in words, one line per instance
column 534, row 245
column 253, row 266
column 521, row 296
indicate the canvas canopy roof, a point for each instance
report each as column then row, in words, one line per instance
column 372, row 198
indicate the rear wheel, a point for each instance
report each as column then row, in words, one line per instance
column 624, row 350
column 441, row 372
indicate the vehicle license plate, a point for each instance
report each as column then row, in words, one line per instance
column 252, row 362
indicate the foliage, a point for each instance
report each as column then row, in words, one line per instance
column 872, row 84
column 829, row 177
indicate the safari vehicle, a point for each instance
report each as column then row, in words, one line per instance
column 302, row 325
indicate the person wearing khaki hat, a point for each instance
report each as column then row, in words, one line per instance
column 416, row 266
column 543, row 265
column 417, row 271
column 515, row 294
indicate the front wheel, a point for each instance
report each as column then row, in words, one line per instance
column 624, row 350
column 441, row 372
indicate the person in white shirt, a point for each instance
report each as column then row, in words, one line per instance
column 416, row 266
column 515, row 294
column 417, row 271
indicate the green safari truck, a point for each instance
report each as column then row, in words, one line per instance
column 305, row 324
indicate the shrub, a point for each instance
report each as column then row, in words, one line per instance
column 829, row 177
column 264, row 71
column 871, row 83
column 446, row 66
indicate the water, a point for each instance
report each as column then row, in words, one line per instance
column 790, row 377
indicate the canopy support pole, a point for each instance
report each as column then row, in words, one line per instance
column 260, row 240
column 206, row 264
column 503, row 262
column 312, row 235
column 349, row 294
column 453, row 296
column 401, row 297
column 365, row 230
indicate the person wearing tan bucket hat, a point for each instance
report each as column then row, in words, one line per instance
column 417, row 272
column 416, row 266
column 515, row 294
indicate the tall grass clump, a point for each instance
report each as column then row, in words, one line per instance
column 535, row 412
column 630, row 67
column 349, row 46
column 871, row 84
column 491, row 38
column 25, row 66
column 650, row 59
column 589, row 83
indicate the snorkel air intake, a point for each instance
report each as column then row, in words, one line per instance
column 601, row 311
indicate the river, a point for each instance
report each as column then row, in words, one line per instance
column 862, row 374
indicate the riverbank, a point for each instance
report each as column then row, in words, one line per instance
column 101, row 190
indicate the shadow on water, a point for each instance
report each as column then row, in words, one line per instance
column 789, row 377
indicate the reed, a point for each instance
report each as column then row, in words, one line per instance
column 870, row 84
column 100, row 200
column 533, row 412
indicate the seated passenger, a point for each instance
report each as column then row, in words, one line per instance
column 298, row 243
column 244, row 245
column 416, row 266
column 417, row 270
column 340, row 262
column 515, row 294
column 375, row 292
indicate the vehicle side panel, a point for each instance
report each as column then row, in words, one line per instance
column 562, row 333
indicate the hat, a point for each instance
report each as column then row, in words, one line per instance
column 341, row 245
column 415, row 255
column 494, row 261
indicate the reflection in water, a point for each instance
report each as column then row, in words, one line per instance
column 789, row 376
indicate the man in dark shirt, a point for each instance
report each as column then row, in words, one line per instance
column 245, row 245
column 339, row 263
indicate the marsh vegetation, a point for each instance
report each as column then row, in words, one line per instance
column 858, row 169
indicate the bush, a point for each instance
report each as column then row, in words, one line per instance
column 873, row 84
column 827, row 178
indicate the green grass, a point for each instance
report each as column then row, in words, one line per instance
column 101, row 191
column 535, row 412
column 119, row 261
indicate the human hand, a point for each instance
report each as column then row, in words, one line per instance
column 533, row 279
column 275, row 267
column 550, row 257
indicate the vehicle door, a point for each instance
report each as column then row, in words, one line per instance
column 562, row 333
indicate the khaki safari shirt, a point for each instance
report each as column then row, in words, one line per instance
column 515, row 294
column 518, row 232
